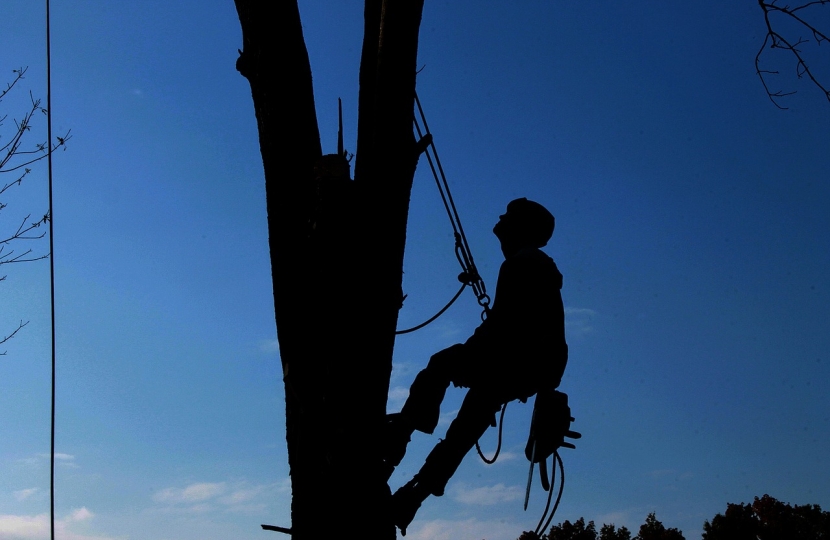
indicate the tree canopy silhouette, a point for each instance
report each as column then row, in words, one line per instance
column 769, row 519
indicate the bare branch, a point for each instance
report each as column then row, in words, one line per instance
column 8, row 337
column 18, row 182
column 14, row 156
column 8, row 259
column 776, row 40
column 41, row 149
column 23, row 229
column 12, row 147
column 19, row 73
column 808, row 4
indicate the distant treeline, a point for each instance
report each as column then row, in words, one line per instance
column 763, row 519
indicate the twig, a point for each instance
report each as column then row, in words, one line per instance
column 16, row 330
column 777, row 41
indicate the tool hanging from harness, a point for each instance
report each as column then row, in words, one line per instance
column 550, row 424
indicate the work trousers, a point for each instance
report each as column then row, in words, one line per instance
column 488, row 392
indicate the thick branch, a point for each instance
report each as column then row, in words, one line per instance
column 368, row 87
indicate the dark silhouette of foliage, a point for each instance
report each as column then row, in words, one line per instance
column 609, row 532
column 765, row 519
column 572, row 531
column 578, row 530
column 653, row 529
column 769, row 519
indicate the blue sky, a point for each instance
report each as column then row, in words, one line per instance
column 692, row 231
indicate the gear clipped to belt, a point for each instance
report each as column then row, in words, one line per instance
column 550, row 425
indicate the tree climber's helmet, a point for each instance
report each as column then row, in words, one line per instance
column 525, row 222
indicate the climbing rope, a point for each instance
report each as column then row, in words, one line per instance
column 443, row 309
column 463, row 253
column 469, row 273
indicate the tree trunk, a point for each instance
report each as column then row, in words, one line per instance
column 336, row 255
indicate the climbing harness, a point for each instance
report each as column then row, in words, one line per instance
column 469, row 273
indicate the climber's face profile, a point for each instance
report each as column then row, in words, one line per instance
column 502, row 228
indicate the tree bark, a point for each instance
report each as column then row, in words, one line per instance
column 337, row 256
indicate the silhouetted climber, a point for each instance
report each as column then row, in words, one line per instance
column 518, row 351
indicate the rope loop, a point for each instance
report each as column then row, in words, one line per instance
column 498, row 445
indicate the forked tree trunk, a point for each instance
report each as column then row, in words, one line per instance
column 337, row 262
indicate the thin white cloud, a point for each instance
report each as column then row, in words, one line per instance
column 233, row 497
column 580, row 311
column 470, row 529
column 34, row 527
column 201, row 491
column 37, row 527
column 58, row 456
column 81, row 514
column 248, row 499
column 241, row 495
column 402, row 371
column 503, row 456
column 269, row 346
column 579, row 321
column 62, row 460
column 449, row 329
column 447, row 417
column 24, row 494
column 487, row 495
column 618, row 519
column 396, row 399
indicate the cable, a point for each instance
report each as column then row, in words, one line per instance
column 51, row 264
